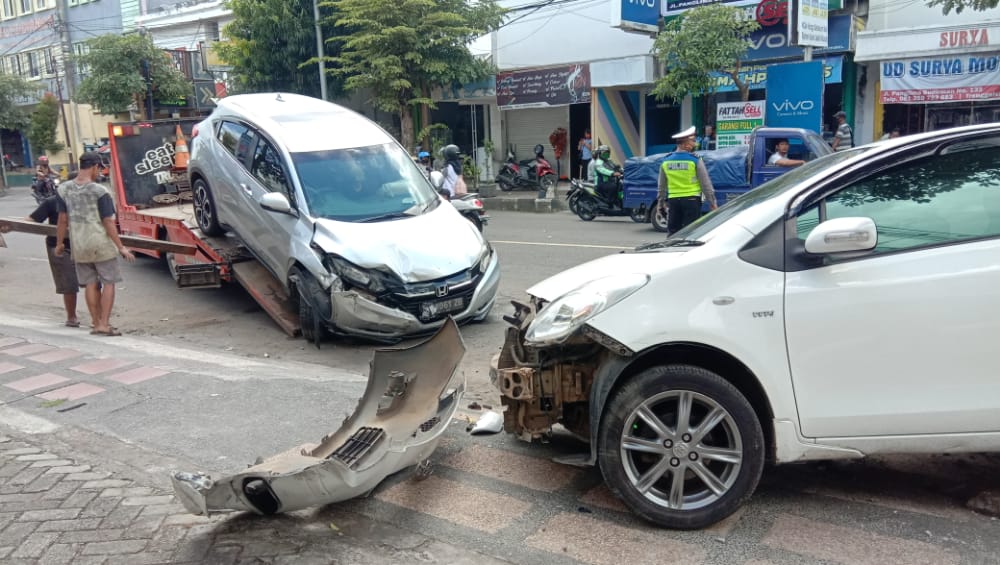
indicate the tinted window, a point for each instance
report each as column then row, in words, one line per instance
column 934, row 199
column 230, row 134
column 266, row 167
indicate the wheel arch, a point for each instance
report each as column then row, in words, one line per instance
column 615, row 374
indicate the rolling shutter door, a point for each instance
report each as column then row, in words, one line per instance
column 524, row 128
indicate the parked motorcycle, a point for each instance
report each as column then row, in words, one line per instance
column 531, row 174
column 589, row 203
column 9, row 163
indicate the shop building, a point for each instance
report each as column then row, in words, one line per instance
column 929, row 71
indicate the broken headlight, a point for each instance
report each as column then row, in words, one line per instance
column 564, row 315
column 355, row 275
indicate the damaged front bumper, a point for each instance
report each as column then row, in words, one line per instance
column 407, row 405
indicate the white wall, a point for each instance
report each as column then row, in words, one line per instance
column 905, row 14
column 184, row 36
column 564, row 33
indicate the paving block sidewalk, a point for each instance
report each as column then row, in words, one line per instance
column 57, row 509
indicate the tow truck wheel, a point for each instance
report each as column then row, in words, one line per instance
column 313, row 329
column 658, row 218
column 681, row 446
column 205, row 210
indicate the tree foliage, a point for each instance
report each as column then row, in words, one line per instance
column 958, row 5
column 269, row 40
column 116, row 78
column 706, row 39
column 399, row 52
column 44, row 121
column 12, row 90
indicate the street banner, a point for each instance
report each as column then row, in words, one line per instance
column 756, row 75
column 941, row 79
column 734, row 122
column 795, row 95
column 540, row 88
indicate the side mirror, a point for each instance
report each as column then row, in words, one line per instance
column 276, row 202
column 437, row 180
column 842, row 235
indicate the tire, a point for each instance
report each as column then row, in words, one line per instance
column 733, row 447
column 548, row 182
column 573, row 202
column 205, row 211
column 476, row 222
column 505, row 186
column 313, row 329
column 586, row 208
column 658, row 219
column 639, row 215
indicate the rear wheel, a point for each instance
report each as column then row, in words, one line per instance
column 586, row 208
column 639, row 215
column 681, row 446
column 548, row 182
column 658, row 218
column 204, row 209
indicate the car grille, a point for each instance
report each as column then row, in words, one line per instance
column 411, row 297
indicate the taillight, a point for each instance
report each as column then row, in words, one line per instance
column 477, row 203
column 194, row 131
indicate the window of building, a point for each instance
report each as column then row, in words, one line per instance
column 48, row 61
column 34, row 70
column 81, row 49
column 9, row 9
column 25, row 6
column 41, row 4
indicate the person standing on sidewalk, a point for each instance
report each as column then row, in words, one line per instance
column 88, row 213
column 63, row 270
column 682, row 180
column 844, row 138
column 586, row 148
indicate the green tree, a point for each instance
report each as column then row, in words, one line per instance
column 269, row 40
column 400, row 53
column 958, row 5
column 44, row 121
column 12, row 90
column 706, row 39
column 115, row 78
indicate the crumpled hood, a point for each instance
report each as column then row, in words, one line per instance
column 426, row 247
column 572, row 279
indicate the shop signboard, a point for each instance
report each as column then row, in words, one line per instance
column 941, row 79
column 771, row 41
column 808, row 23
column 541, row 88
column 636, row 15
column 677, row 7
column 795, row 95
column 756, row 75
column 735, row 121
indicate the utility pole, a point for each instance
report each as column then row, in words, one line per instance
column 319, row 51
column 69, row 145
column 62, row 28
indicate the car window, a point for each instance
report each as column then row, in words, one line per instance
column 363, row 183
column 266, row 168
column 230, row 134
column 796, row 150
column 947, row 197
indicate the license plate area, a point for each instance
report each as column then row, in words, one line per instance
column 441, row 307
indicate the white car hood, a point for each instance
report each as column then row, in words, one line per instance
column 426, row 247
column 572, row 279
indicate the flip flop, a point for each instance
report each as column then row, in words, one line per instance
column 110, row 333
column 70, row 324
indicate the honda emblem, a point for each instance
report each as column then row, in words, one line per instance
column 442, row 290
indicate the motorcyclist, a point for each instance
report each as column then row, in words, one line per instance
column 605, row 175
column 452, row 170
column 44, row 184
column 424, row 158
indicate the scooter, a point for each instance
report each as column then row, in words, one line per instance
column 536, row 173
column 471, row 207
column 589, row 203
column 43, row 188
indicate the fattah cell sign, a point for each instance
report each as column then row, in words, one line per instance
column 941, row 79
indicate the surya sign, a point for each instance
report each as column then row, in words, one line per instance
column 965, row 38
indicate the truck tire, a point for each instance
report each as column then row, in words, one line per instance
column 681, row 446
column 658, row 219
column 205, row 211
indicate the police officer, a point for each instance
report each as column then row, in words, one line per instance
column 683, row 179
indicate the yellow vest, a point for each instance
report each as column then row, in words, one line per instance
column 680, row 170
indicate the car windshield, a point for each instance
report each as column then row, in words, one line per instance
column 363, row 184
column 762, row 193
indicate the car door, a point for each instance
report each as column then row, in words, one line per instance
column 273, row 231
column 902, row 340
column 235, row 142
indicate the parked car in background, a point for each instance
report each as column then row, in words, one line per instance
column 334, row 207
column 846, row 308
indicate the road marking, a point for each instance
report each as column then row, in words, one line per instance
column 562, row 244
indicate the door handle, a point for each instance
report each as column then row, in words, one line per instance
column 246, row 189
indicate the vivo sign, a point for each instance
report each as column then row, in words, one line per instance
column 639, row 15
column 795, row 95
column 787, row 107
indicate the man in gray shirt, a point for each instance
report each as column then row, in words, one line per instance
column 844, row 138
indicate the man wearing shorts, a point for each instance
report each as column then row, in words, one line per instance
column 63, row 270
column 87, row 212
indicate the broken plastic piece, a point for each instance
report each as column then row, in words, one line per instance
column 379, row 439
column 488, row 423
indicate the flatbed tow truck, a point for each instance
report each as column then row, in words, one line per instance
column 153, row 199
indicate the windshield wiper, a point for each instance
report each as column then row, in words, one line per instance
column 389, row 216
column 670, row 243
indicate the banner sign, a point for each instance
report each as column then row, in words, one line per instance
column 539, row 88
column 677, row 7
column 809, row 23
column 756, row 75
column 637, row 15
column 771, row 41
column 941, row 79
column 735, row 121
column 795, row 95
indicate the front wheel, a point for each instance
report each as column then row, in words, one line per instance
column 313, row 329
column 658, row 218
column 681, row 446
column 573, row 202
column 586, row 208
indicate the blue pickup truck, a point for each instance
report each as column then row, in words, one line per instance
column 733, row 170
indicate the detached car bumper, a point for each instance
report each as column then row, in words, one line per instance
column 357, row 314
column 407, row 405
